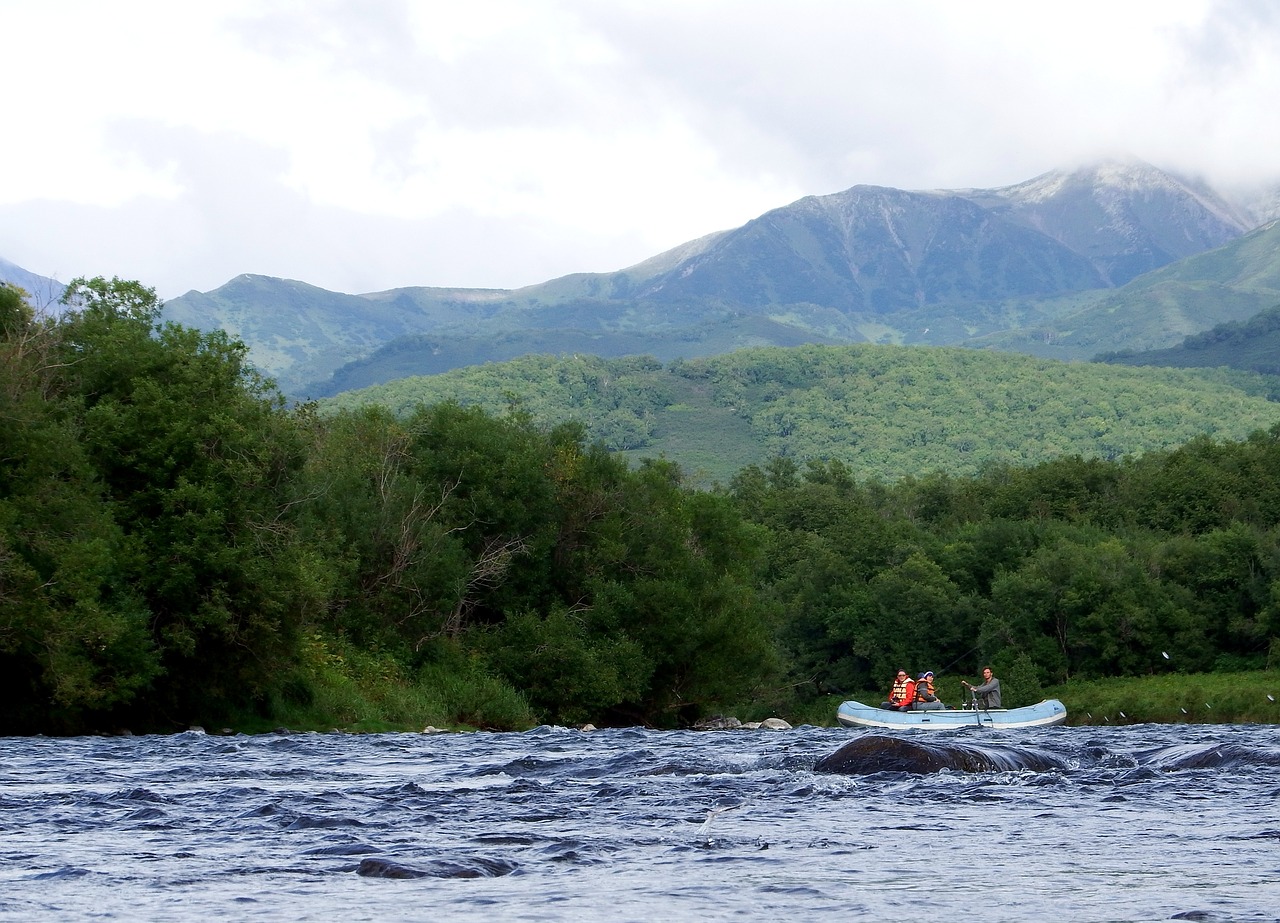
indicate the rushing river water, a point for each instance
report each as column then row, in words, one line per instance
column 1132, row 823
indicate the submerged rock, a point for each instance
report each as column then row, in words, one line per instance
column 437, row 868
column 729, row 723
column 718, row 723
column 882, row 753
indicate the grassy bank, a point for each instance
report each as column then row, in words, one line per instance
column 1197, row 698
column 340, row 687
column 1171, row 698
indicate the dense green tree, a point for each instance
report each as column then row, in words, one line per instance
column 906, row 616
column 674, row 570
column 572, row 664
column 193, row 452
column 394, row 564
column 73, row 634
column 1227, row 576
column 502, row 504
column 1081, row 604
column 16, row 315
column 655, row 614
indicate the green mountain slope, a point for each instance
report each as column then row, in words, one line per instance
column 885, row 411
column 425, row 354
column 298, row 332
column 1157, row 310
column 1252, row 345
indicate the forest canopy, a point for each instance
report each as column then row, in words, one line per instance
column 885, row 411
column 179, row 545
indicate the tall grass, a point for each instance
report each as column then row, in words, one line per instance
column 1174, row 698
column 341, row 687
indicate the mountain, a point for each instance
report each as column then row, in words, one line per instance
column 43, row 291
column 1252, row 345
column 299, row 332
column 1157, row 310
column 1126, row 217
column 869, row 264
column 876, row 250
column 428, row 354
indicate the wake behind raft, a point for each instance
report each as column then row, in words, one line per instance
column 874, row 753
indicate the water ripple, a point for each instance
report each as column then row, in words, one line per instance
column 630, row 824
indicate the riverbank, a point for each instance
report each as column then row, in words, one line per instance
column 1173, row 698
column 381, row 703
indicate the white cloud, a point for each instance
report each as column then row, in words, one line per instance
column 368, row 145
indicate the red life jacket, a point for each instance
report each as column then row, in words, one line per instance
column 903, row 692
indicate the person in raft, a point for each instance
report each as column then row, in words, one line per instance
column 925, row 698
column 987, row 693
column 902, row 694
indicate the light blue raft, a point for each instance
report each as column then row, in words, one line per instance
column 1042, row 714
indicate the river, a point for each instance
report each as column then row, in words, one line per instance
column 1146, row 822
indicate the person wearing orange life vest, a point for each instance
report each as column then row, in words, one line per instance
column 925, row 698
column 902, row 694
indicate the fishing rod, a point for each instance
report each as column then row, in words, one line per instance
column 960, row 658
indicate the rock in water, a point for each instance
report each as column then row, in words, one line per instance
column 879, row 753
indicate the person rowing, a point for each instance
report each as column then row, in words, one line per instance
column 987, row 693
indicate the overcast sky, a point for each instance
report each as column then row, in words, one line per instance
column 362, row 145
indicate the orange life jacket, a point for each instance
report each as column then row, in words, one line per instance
column 903, row 692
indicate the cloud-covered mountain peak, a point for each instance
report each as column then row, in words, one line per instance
column 1115, row 175
column 1114, row 183
column 1127, row 216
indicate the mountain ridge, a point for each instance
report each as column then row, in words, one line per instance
column 1071, row 325
column 1025, row 267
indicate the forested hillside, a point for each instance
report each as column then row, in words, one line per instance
column 1252, row 345
column 180, row 546
column 884, row 411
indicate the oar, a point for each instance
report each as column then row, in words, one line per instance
column 973, row 703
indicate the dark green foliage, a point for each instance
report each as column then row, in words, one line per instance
column 1252, row 345
column 387, row 565
column 179, row 546
column 572, row 667
column 73, row 631
column 192, row 452
column 594, row 589
column 884, row 411
column 654, row 612
column 1067, row 569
